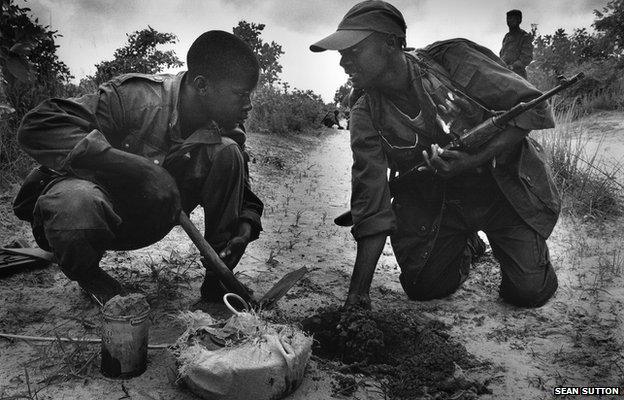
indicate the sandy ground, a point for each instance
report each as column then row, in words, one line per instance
column 574, row 340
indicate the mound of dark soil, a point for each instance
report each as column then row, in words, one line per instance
column 415, row 356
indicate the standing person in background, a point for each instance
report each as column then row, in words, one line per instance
column 517, row 50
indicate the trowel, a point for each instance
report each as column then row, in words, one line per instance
column 227, row 278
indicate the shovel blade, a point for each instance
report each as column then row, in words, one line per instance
column 282, row 287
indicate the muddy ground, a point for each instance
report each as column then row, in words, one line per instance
column 574, row 340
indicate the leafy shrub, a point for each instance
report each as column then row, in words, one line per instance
column 30, row 71
column 280, row 110
column 601, row 89
column 598, row 54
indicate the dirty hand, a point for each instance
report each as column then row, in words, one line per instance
column 165, row 194
column 447, row 163
column 358, row 300
column 236, row 246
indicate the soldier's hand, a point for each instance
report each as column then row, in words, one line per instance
column 161, row 192
column 236, row 246
column 447, row 163
column 358, row 300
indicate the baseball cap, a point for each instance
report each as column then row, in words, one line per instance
column 360, row 22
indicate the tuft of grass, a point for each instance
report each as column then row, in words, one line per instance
column 297, row 218
column 587, row 182
column 14, row 163
column 611, row 265
column 273, row 253
column 610, row 98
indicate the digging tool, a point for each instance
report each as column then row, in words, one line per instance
column 15, row 259
column 214, row 262
column 282, row 287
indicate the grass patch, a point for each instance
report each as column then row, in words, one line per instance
column 587, row 181
column 14, row 163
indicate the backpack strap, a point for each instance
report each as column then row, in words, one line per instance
column 425, row 62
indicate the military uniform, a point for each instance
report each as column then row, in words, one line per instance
column 430, row 220
column 330, row 119
column 82, row 213
column 517, row 51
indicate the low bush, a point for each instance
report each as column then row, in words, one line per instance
column 14, row 163
column 601, row 89
column 281, row 111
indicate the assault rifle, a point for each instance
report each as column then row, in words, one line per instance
column 477, row 136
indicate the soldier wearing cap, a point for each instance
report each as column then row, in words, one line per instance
column 517, row 49
column 410, row 103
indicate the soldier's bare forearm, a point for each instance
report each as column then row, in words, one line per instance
column 369, row 249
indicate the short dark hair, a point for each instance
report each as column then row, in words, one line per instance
column 220, row 55
column 514, row 13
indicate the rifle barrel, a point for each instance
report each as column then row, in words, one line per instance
column 522, row 107
column 502, row 119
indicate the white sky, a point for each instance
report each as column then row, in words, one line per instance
column 93, row 29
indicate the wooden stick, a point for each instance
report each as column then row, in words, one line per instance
column 214, row 261
column 70, row 340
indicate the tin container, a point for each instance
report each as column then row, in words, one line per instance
column 124, row 345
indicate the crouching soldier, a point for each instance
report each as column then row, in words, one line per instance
column 119, row 165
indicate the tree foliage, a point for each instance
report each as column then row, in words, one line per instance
column 30, row 71
column 28, row 49
column 554, row 52
column 610, row 23
column 341, row 93
column 277, row 108
column 268, row 54
column 598, row 54
column 140, row 54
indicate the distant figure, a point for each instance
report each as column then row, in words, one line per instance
column 331, row 118
column 517, row 50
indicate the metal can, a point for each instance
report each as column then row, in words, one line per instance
column 124, row 345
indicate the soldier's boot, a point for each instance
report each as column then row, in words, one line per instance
column 100, row 286
column 477, row 247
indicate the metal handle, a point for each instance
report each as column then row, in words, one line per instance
column 226, row 301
